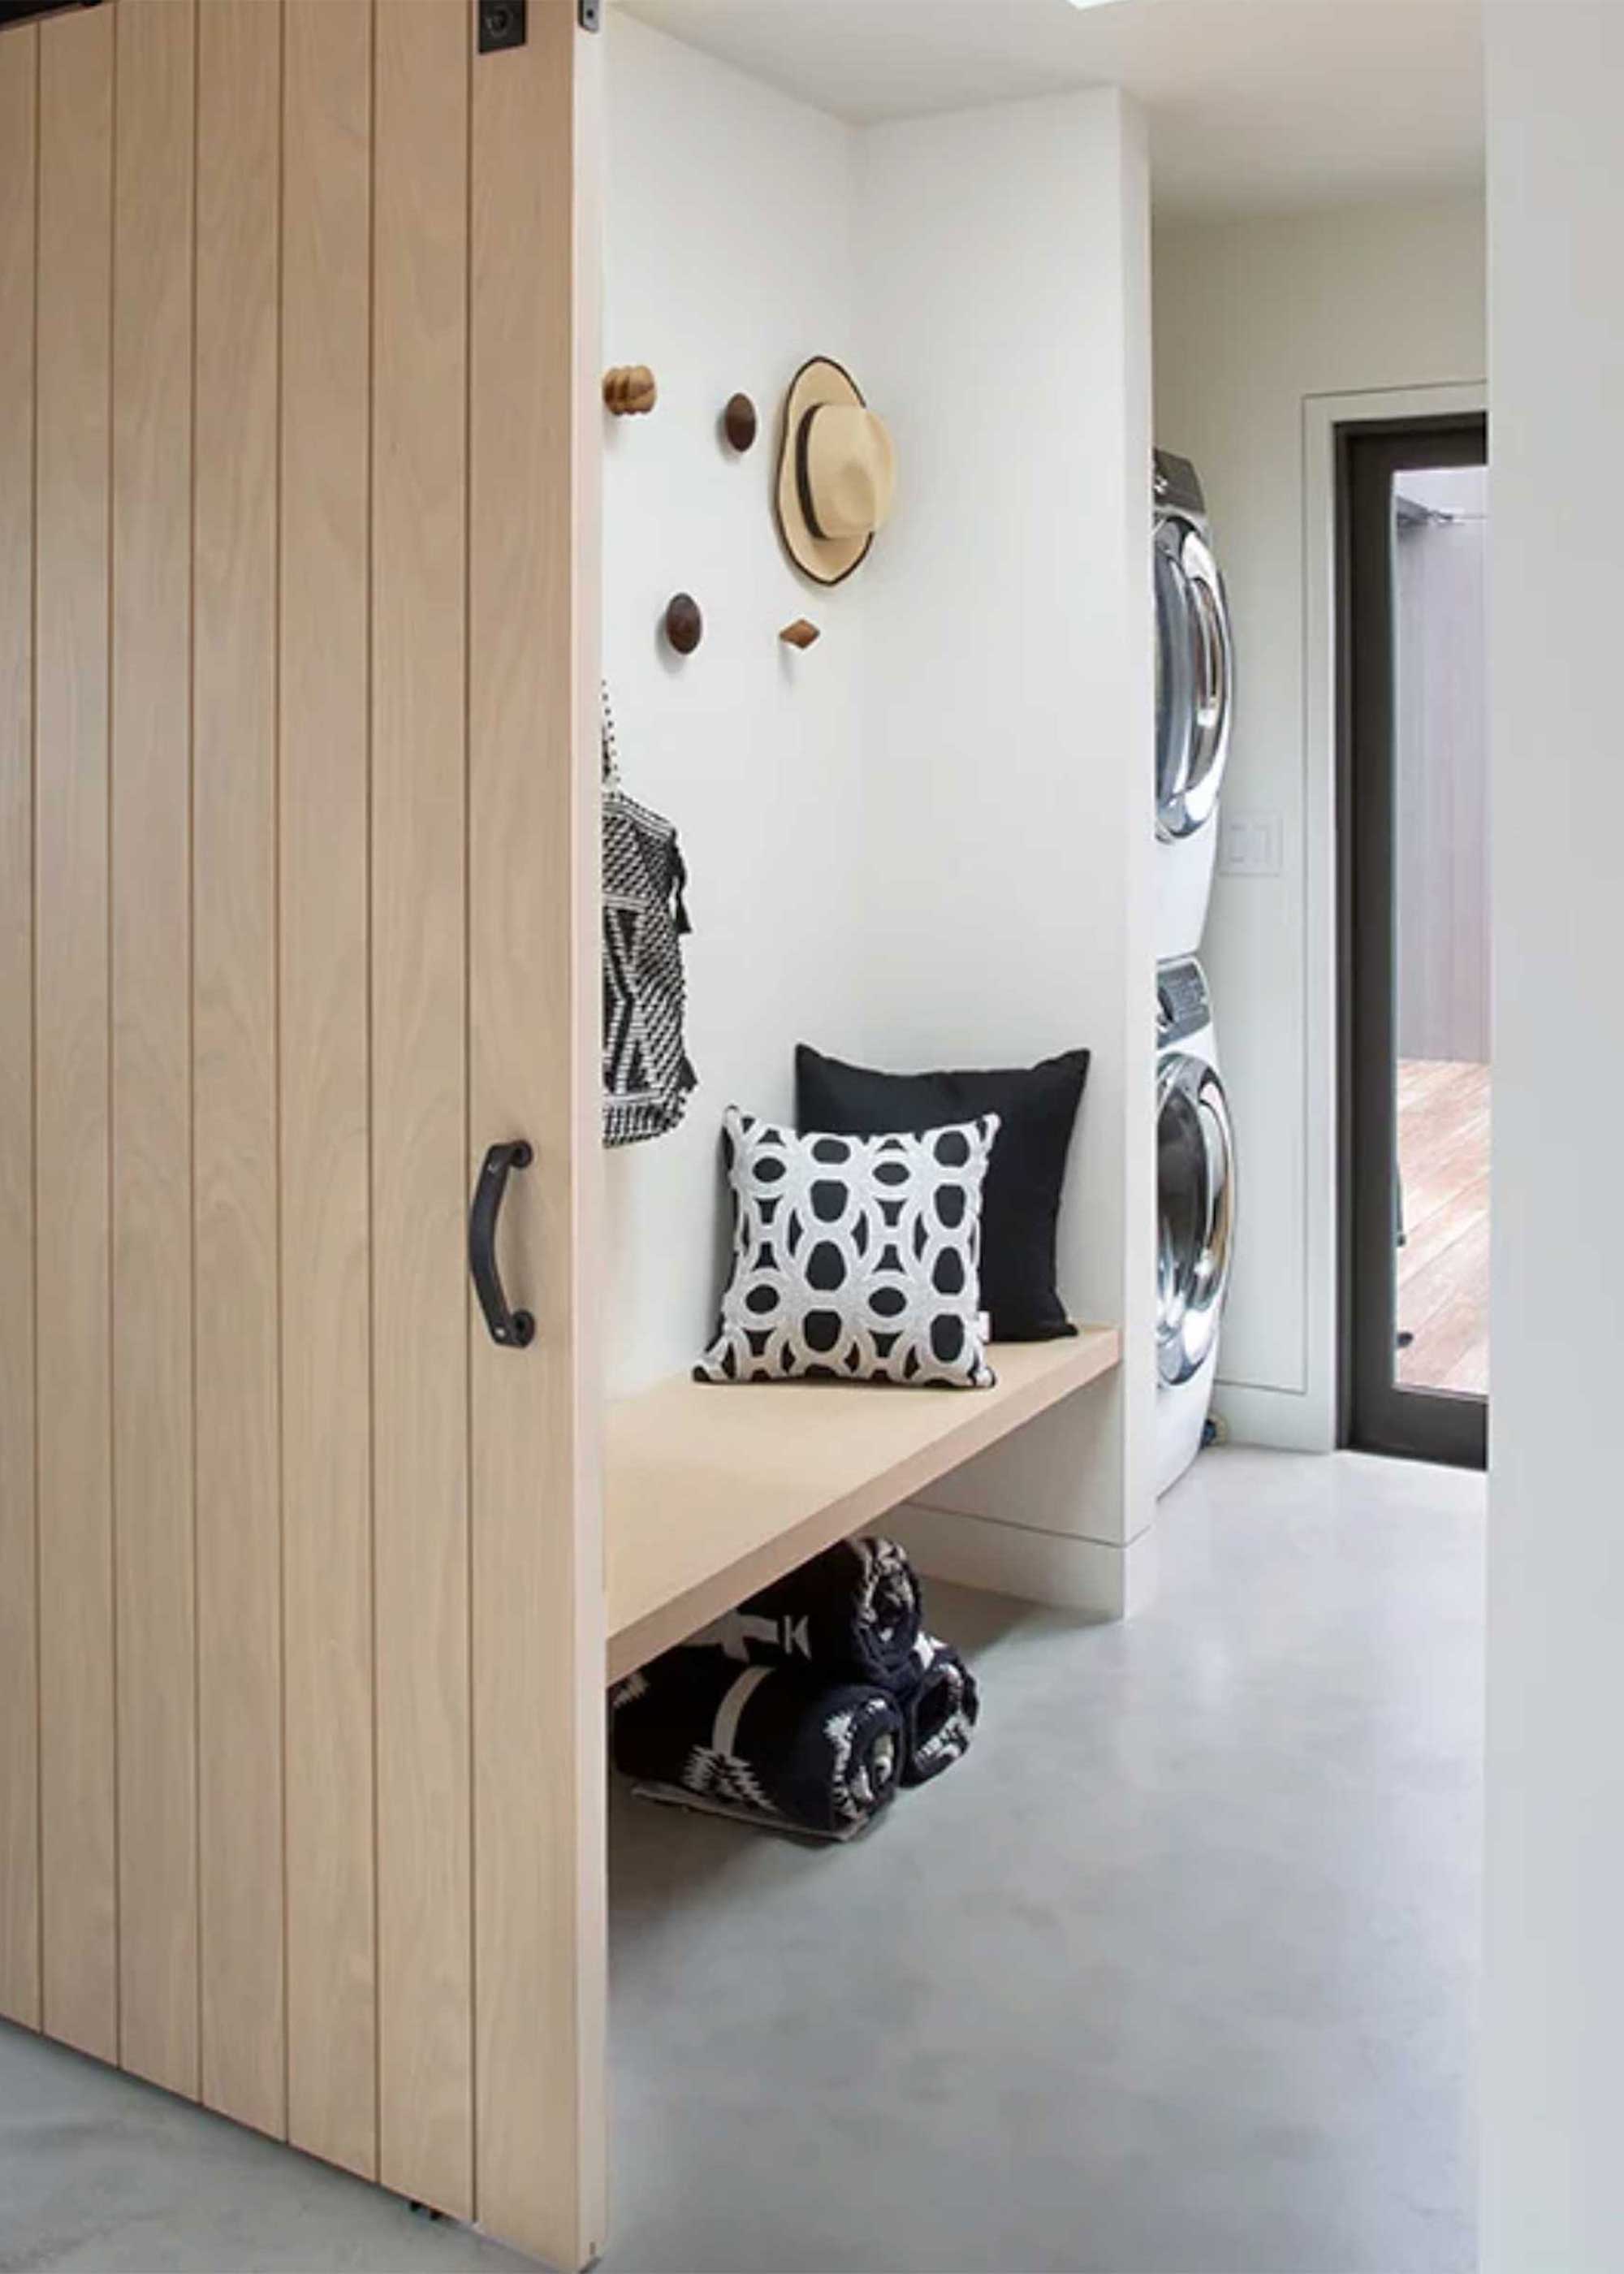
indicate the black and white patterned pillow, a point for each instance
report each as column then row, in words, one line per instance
column 855, row 1259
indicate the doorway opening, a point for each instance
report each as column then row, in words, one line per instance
column 1414, row 938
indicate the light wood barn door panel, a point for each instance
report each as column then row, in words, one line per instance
column 325, row 1206
column 78, row 1806
column 237, row 379
column 301, row 1599
column 538, row 1616
column 152, row 1039
column 20, row 1726
column 419, row 1099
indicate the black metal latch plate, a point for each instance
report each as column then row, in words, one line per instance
column 502, row 23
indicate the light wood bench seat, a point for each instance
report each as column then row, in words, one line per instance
column 712, row 1492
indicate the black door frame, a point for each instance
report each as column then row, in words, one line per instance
column 1375, row 1414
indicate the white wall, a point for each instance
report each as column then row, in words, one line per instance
column 917, row 842
column 1256, row 322
column 1006, row 257
column 729, row 259
column 1555, row 1861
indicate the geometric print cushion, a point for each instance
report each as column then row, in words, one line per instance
column 855, row 1259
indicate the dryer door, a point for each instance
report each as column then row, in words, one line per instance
column 1195, row 678
column 1195, row 1187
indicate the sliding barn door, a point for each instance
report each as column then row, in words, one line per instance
column 301, row 1639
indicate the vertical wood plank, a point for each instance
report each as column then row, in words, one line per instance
column 426, row 2052
column 537, row 1565
column 19, row 1724
column 152, row 1042
column 234, row 1011
column 78, row 1809
column 326, row 1471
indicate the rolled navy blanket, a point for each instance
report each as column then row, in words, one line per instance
column 774, row 1743
column 855, row 1609
column 940, row 1705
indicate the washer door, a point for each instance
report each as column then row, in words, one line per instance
column 1195, row 1186
column 1195, row 679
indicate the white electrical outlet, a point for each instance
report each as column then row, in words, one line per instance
column 1250, row 844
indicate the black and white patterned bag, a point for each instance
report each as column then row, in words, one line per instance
column 647, row 1075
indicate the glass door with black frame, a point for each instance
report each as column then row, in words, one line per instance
column 1415, row 940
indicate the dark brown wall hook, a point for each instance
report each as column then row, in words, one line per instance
column 685, row 625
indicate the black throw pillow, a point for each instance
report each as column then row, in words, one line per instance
column 1036, row 1107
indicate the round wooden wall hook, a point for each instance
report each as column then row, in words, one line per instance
column 739, row 422
column 629, row 389
column 685, row 625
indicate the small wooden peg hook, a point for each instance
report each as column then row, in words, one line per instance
column 739, row 422
column 629, row 389
column 685, row 626
column 800, row 633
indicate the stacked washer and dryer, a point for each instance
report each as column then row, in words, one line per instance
column 1195, row 1152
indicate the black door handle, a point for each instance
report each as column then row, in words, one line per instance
column 514, row 1330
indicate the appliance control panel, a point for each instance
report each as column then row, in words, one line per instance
column 1251, row 845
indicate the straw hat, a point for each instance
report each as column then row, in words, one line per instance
column 836, row 472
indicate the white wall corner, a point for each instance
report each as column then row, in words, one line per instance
column 1102, row 1580
column 1010, row 664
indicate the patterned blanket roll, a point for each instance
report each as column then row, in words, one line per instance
column 940, row 1705
column 855, row 1609
column 812, row 1753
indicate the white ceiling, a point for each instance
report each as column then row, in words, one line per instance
column 1254, row 105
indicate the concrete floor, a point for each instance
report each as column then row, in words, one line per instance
column 1173, row 1976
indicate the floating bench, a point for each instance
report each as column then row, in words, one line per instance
column 712, row 1492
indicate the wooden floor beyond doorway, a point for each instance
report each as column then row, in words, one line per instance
column 1443, row 1266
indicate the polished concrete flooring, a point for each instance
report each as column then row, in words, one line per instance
column 1174, row 1975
